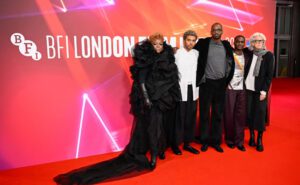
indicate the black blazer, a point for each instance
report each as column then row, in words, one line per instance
column 247, row 55
column 264, row 78
column 203, row 46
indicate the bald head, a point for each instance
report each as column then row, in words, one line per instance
column 216, row 24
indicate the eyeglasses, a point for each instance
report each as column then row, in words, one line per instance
column 216, row 30
column 258, row 41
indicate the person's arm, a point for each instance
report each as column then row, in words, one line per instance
column 143, row 72
column 269, row 75
column 198, row 45
column 230, row 60
column 142, row 78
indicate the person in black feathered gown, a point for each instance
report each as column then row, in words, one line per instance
column 154, row 94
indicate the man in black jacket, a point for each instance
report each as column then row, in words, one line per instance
column 214, row 71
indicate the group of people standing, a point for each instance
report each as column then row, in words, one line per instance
column 232, row 86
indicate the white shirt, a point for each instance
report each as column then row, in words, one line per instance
column 237, row 81
column 250, row 79
column 186, row 62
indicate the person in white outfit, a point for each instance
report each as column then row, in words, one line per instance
column 186, row 59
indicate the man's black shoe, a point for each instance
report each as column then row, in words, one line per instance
column 241, row 148
column 231, row 146
column 176, row 151
column 218, row 148
column 190, row 149
column 204, row 147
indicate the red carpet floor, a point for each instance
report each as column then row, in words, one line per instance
column 279, row 164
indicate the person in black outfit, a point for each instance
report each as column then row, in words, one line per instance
column 155, row 90
column 258, row 75
column 214, row 72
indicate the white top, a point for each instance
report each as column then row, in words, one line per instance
column 237, row 81
column 186, row 62
column 250, row 79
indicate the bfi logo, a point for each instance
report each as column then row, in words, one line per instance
column 26, row 47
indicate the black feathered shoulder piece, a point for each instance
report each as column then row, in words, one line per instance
column 168, row 49
column 143, row 54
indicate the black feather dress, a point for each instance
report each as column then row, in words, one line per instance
column 148, row 131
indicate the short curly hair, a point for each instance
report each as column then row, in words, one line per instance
column 239, row 36
column 156, row 36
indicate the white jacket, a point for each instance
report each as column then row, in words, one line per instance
column 186, row 62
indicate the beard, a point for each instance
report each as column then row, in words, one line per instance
column 216, row 36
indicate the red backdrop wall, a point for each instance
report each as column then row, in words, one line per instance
column 68, row 96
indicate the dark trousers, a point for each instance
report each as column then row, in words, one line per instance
column 170, row 126
column 186, row 119
column 235, row 116
column 212, row 96
column 256, row 111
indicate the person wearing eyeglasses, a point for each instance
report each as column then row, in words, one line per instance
column 258, row 75
column 215, row 70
